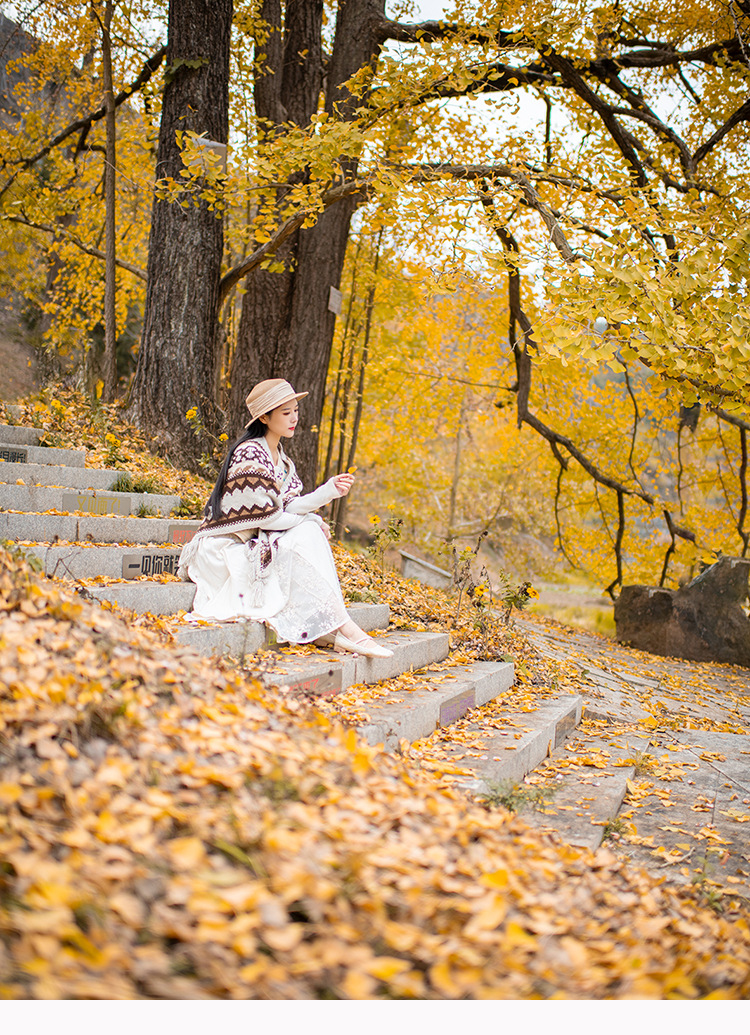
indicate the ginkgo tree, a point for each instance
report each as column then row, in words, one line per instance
column 614, row 168
column 439, row 445
column 616, row 187
column 55, row 159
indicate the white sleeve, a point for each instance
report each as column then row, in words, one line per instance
column 325, row 493
column 281, row 521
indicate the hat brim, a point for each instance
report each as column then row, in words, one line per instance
column 288, row 398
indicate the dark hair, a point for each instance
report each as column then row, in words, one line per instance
column 256, row 429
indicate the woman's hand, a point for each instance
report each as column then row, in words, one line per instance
column 343, row 483
column 326, row 530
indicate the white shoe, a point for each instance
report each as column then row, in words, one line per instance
column 367, row 647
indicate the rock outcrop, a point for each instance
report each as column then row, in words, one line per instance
column 703, row 621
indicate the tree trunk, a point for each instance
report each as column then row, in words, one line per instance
column 177, row 360
column 342, row 503
column 110, row 173
column 456, row 471
column 286, row 329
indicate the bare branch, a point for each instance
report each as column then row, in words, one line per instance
column 675, row 531
column 596, row 473
column 617, row 581
column 636, row 422
column 574, row 80
column 667, row 557
column 729, row 417
column 516, row 317
column 662, row 55
column 640, row 110
column 558, row 490
column 688, row 85
column 678, row 530
column 742, row 475
column 426, row 172
column 741, row 115
column 557, row 236
column 60, row 232
column 650, row 53
column 494, row 77
column 562, row 461
column 575, row 221
column 430, row 31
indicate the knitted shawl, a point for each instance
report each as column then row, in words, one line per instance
column 253, row 493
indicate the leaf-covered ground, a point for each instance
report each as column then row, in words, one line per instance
column 174, row 826
column 171, row 827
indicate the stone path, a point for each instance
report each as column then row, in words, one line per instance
column 660, row 762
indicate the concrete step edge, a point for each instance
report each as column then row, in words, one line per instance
column 233, row 637
column 447, row 697
column 114, row 562
column 168, row 598
column 587, row 829
column 581, row 808
column 325, row 673
column 57, row 476
column 17, row 452
column 38, row 498
column 18, row 434
column 506, row 762
column 39, row 528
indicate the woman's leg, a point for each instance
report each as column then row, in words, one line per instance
column 350, row 637
column 352, row 631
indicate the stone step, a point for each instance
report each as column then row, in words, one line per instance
column 325, row 673
column 156, row 598
column 113, row 562
column 586, row 798
column 49, row 474
column 240, row 638
column 167, row 598
column 13, row 434
column 38, row 498
column 530, row 737
column 413, row 714
column 51, row 528
column 11, row 452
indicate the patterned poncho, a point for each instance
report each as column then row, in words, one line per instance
column 254, row 492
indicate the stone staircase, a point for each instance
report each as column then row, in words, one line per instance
column 80, row 528
column 688, row 817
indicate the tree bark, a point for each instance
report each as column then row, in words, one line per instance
column 177, row 360
column 110, row 174
column 286, row 329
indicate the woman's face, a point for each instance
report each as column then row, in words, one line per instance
column 283, row 420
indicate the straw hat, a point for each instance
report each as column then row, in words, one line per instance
column 267, row 395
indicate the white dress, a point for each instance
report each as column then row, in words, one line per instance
column 298, row 595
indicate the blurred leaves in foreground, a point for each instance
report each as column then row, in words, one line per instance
column 174, row 828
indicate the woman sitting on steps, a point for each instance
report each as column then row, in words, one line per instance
column 261, row 552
